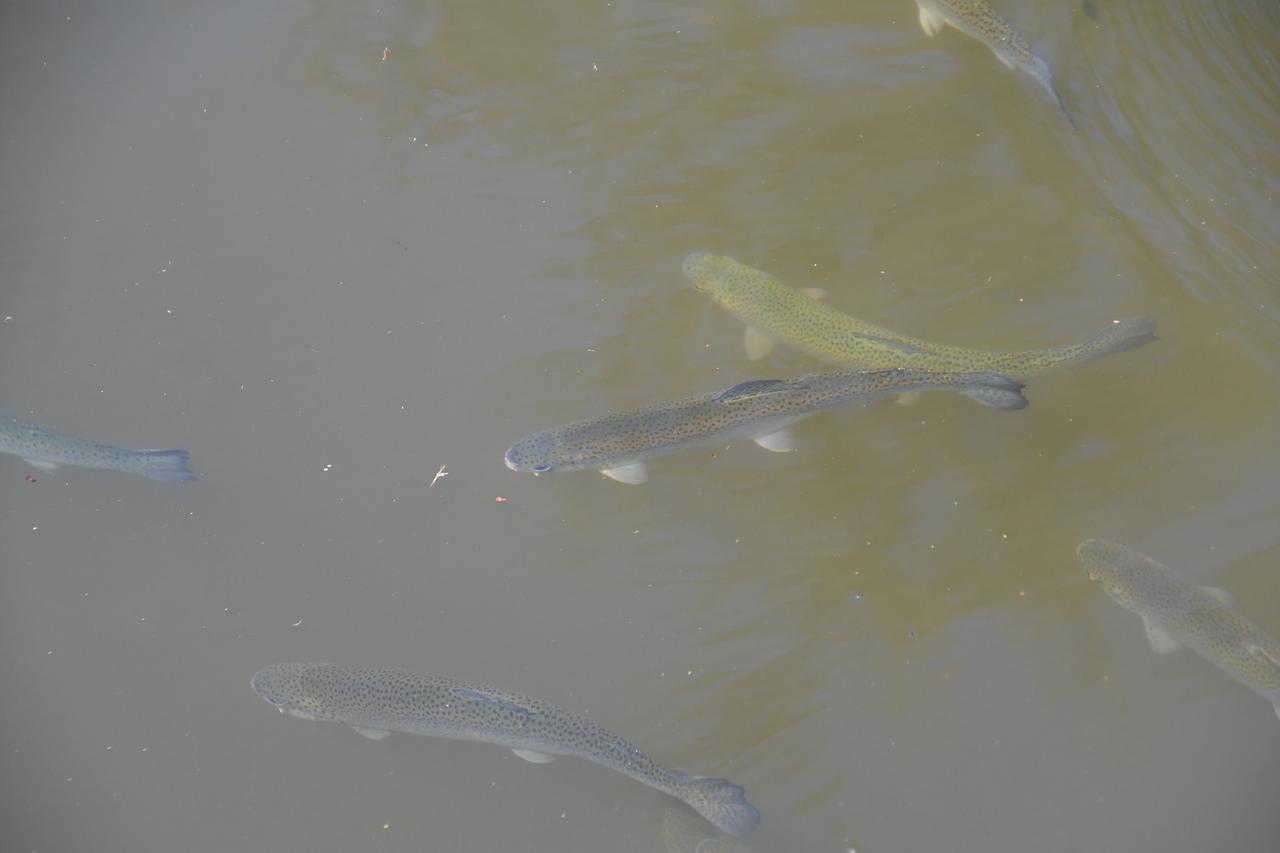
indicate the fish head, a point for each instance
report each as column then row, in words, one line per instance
column 539, row 453
column 1124, row 574
column 714, row 275
column 285, row 687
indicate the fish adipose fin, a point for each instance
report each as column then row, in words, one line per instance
column 779, row 441
column 535, row 757
column 167, row 466
column 995, row 390
column 631, row 473
column 721, row 802
column 756, row 343
column 1161, row 643
column 371, row 734
column 930, row 23
column 47, row 467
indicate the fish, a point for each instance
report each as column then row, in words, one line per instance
column 376, row 702
column 763, row 409
column 774, row 311
column 684, row 831
column 979, row 21
column 1177, row 613
column 48, row 449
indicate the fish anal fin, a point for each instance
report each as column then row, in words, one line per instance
column 371, row 734
column 756, row 343
column 779, row 441
column 1219, row 594
column 930, row 23
column 1161, row 642
column 631, row 473
column 534, row 756
column 42, row 464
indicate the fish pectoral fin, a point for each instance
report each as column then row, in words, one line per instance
column 372, row 734
column 814, row 293
column 779, row 441
column 756, row 343
column 534, row 756
column 1219, row 593
column 930, row 23
column 909, row 398
column 631, row 473
column 1161, row 642
column 43, row 465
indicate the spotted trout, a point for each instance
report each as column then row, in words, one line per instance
column 979, row 21
column 774, row 311
column 47, row 449
column 761, row 409
column 376, row 702
column 1178, row 613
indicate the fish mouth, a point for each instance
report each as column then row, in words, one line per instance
column 506, row 458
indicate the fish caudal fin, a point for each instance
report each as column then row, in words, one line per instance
column 930, row 23
column 167, row 466
column 994, row 390
column 1125, row 333
column 721, row 802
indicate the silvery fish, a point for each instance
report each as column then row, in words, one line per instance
column 683, row 831
column 979, row 21
column 376, row 702
column 1178, row 613
column 772, row 310
column 762, row 409
column 47, row 449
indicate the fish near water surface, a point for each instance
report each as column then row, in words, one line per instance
column 1179, row 613
column 762, row 409
column 774, row 311
column 684, row 831
column 48, row 449
column 979, row 21
column 376, row 702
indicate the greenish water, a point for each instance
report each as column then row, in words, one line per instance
column 329, row 249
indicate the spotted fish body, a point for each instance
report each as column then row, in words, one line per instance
column 762, row 409
column 378, row 701
column 47, row 449
column 779, row 312
column 1178, row 613
column 979, row 21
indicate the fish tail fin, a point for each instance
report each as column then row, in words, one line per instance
column 167, row 466
column 1125, row 333
column 721, row 802
column 993, row 389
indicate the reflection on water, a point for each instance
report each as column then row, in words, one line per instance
column 334, row 246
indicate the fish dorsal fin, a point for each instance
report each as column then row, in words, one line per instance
column 1161, row 642
column 1219, row 594
column 754, row 388
column 930, row 23
column 631, row 473
column 371, row 734
column 779, row 441
column 534, row 756
column 756, row 343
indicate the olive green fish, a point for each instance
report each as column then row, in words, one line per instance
column 376, row 702
column 979, row 21
column 48, row 449
column 762, row 409
column 772, row 310
column 1178, row 613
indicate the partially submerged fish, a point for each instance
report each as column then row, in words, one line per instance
column 376, row 702
column 762, row 409
column 683, row 831
column 979, row 21
column 773, row 310
column 47, row 449
column 1178, row 613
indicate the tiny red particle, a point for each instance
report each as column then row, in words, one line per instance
column 500, row 499
column 30, row 479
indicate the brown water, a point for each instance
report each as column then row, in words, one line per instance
column 331, row 249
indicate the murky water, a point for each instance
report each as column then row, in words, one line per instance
column 331, row 248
